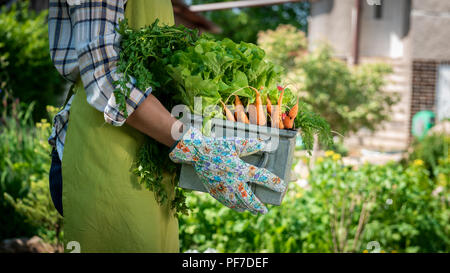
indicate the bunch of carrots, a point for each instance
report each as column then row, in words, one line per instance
column 258, row 116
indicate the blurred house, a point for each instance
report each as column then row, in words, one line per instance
column 411, row 35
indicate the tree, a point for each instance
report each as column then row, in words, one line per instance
column 244, row 24
column 26, row 69
column 349, row 98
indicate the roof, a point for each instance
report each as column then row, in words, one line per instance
column 238, row 4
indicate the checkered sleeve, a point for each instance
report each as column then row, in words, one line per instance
column 97, row 45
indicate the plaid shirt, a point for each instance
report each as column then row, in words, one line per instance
column 83, row 42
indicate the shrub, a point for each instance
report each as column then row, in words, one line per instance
column 283, row 44
column 243, row 24
column 431, row 149
column 26, row 69
column 342, row 210
column 26, row 208
column 349, row 98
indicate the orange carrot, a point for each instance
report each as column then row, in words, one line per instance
column 228, row 113
column 294, row 110
column 280, row 103
column 260, row 115
column 288, row 122
column 240, row 112
column 269, row 105
column 275, row 118
column 277, row 121
column 252, row 114
column 280, row 98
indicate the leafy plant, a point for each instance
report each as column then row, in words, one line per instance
column 144, row 57
column 342, row 209
column 312, row 124
column 151, row 164
column 215, row 70
column 145, row 53
column 26, row 208
column 348, row 98
column 26, row 69
column 431, row 149
column 244, row 24
column 182, row 66
column 283, row 44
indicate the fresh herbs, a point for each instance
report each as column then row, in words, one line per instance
column 151, row 164
column 214, row 70
column 180, row 65
column 311, row 124
column 144, row 55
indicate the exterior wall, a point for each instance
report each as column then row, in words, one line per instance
column 424, row 75
column 330, row 21
column 430, row 30
column 430, row 46
column 432, row 5
column 380, row 40
column 392, row 135
column 424, row 80
column 384, row 37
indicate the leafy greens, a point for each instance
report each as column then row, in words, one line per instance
column 181, row 65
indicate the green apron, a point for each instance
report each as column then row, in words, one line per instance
column 105, row 207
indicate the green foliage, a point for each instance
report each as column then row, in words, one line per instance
column 245, row 23
column 341, row 210
column 348, row 98
column 26, row 208
column 26, row 69
column 216, row 70
column 144, row 55
column 151, row 164
column 339, row 147
column 431, row 149
column 401, row 208
column 312, row 124
column 182, row 66
column 283, row 44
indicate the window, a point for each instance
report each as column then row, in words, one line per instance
column 443, row 92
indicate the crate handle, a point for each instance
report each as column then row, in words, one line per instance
column 263, row 160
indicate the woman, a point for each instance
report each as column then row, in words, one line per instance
column 105, row 207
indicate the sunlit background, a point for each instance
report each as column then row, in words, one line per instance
column 378, row 71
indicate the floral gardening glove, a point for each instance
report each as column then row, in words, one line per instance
column 223, row 173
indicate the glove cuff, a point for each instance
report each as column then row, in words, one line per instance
column 186, row 128
column 183, row 150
